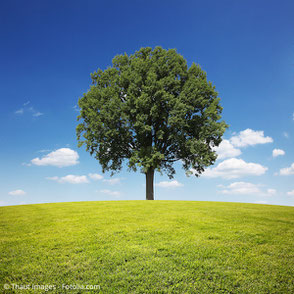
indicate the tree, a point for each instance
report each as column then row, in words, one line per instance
column 150, row 109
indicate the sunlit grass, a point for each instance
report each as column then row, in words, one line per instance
column 149, row 247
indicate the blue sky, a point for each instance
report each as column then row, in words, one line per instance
column 49, row 48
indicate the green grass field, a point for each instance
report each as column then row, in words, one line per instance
column 148, row 247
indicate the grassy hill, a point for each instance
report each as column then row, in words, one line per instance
column 148, row 247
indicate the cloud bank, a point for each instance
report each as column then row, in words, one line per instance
column 71, row 179
column 95, row 177
column 250, row 137
column 234, row 168
column 245, row 188
column 278, row 152
column 169, row 184
column 287, row 170
column 17, row 193
column 60, row 158
column 226, row 150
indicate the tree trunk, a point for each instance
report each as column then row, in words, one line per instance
column 149, row 184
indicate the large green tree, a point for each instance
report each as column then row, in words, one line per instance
column 151, row 109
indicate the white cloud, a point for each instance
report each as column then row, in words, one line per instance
column 285, row 134
column 34, row 112
column 241, row 188
column 290, row 193
column 19, row 111
column 71, row 179
column 26, row 164
column 37, row 113
column 112, row 181
column 17, row 193
column 44, row 150
column 250, row 137
column 76, row 108
column 226, row 149
column 169, row 184
column 271, row 191
column 245, row 188
column 95, row 177
column 61, row 157
column 278, row 152
column 287, row 170
column 28, row 109
column 234, row 168
column 111, row 193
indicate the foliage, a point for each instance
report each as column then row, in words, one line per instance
column 152, row 110
column 188, row 247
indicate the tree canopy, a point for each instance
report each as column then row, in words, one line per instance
column 151, row 109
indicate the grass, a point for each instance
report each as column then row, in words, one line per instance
column 148, row 247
